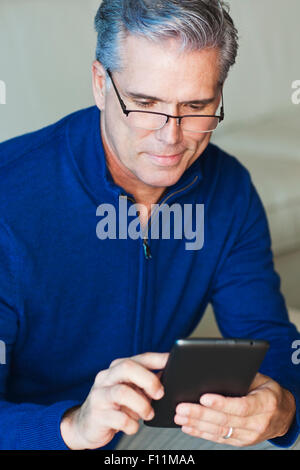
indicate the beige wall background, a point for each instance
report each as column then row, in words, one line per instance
column 47, row 47
column 46, row 52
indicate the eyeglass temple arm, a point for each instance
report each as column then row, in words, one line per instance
column 118, row 94
column 222, row 106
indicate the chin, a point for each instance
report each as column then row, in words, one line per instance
column 162, row 180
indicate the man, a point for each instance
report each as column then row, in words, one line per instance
column 88, row 319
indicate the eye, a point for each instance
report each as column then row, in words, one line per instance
column 194, row 107
column 143, row 104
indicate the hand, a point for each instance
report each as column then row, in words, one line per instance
column 266, row 412
column 119, row 397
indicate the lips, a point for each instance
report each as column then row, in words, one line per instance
column 165, row 160
column 166, row 156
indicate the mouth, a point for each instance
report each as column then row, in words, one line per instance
column 165, row 160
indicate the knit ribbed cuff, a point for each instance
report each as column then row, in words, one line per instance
column 39, row 429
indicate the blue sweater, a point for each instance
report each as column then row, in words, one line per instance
column 70, row 302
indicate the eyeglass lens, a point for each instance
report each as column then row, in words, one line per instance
column 150, row 121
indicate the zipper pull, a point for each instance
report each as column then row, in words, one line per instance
column 147, row 251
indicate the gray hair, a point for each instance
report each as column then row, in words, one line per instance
column 198, row 24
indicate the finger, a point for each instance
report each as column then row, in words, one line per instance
column 141, row 392
column 119, row 421
column 258, row 380
column 126, row 410
column 130, row 371
column 238, row 438
column 202, row 426
column 122, row 394
column 192, row 411
column 149, row 360
column 129, row 412
column 249, row 405
column 219, row 431
column 159, row 374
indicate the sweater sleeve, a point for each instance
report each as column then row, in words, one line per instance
column 26, row 425
column 248, row 303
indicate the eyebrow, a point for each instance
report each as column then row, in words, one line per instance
column 203, row 102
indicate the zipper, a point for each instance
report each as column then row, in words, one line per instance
column 141, row 306
column 146, row 247
column 147, row 251
column 168, row 197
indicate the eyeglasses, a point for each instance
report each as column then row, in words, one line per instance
column 152, row 121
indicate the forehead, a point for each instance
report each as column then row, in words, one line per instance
column 163, row 67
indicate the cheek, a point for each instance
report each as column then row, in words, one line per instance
column 126, row 143
column 195, row 147
column 196, row 143
column 119, row 130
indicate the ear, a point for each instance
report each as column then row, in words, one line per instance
column 98, row 78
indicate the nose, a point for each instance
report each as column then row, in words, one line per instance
column 171, row 132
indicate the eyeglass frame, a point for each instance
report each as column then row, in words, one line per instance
column 179, row 118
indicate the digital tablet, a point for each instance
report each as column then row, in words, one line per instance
column 197, row 366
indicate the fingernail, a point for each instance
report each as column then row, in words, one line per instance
column 206, row 401
column 186, row 429
column 182, row 411
column 159, row 394
column 179, row 419
column 150, row 415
